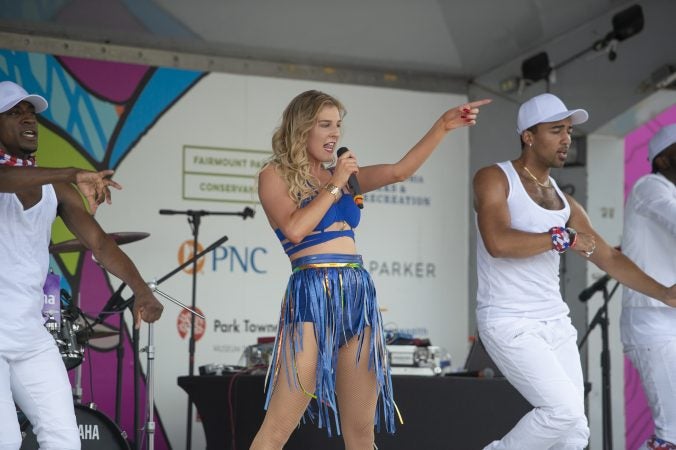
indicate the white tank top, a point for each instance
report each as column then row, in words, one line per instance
column 24, row 262
column 522, row 287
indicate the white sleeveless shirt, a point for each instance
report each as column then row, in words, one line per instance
column 24, row 262
column 522, row 287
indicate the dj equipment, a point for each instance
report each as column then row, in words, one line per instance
column 259, row 354
column 418, row 360
column 218, row 369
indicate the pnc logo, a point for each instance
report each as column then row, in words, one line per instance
column 186, row 251
column 230, row 258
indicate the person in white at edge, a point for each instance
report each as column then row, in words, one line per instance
column 32, row 373
column 647, row 326
column 524, row 223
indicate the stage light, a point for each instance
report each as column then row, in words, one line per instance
column 626, row 23
column 536, row 68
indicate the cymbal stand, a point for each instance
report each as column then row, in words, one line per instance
column 150, row 372
column 150, row 390
column 121, row 306
column 77, row 389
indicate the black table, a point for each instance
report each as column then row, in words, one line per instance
column 444, row 413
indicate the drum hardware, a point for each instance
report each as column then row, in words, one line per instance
column 95, row 332
column 135, row 339
column 75, row 245
column 150, row 370
column 97, row 431
column 61, row 314
column 117, row 305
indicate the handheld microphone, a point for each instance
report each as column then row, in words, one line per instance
column 353, row 183
column 248, row 212
column 598, row 285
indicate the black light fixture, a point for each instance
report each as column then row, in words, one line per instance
column 536, row 68
column 626, row 23
column 533, row 69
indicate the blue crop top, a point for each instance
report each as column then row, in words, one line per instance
column 343, row 210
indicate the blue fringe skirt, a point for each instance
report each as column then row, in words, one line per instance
column 337, row 294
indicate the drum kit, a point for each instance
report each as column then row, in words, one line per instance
column 73, row 332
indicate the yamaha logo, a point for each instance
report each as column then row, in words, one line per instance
column 89, row 432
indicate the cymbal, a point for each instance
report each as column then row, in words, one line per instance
column 97, row 333
column 74, row 245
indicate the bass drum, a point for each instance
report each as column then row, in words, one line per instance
column 97, row 432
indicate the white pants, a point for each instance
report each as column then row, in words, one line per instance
column 541, row 360
column 38, row 382
column 656, row 365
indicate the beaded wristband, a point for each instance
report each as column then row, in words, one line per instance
column 562, row 238
column 572, row 235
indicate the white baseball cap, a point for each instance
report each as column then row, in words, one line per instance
column 11, row 94
column 546, row 108
column 661, row 141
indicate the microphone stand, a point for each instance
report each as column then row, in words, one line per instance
column 194, row 220
column 601, row 319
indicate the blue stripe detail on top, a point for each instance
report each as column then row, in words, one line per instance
column 344, row 210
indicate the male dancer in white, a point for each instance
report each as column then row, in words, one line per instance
column 647, row 326
column 525, row 222
column 32, row 373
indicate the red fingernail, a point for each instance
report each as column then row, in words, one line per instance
column 466, row 110
column 463, row 117
column 469, row 120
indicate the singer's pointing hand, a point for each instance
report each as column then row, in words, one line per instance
column 146, row 308
column 463, row 115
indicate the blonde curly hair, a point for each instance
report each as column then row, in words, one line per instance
column 289, row 143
